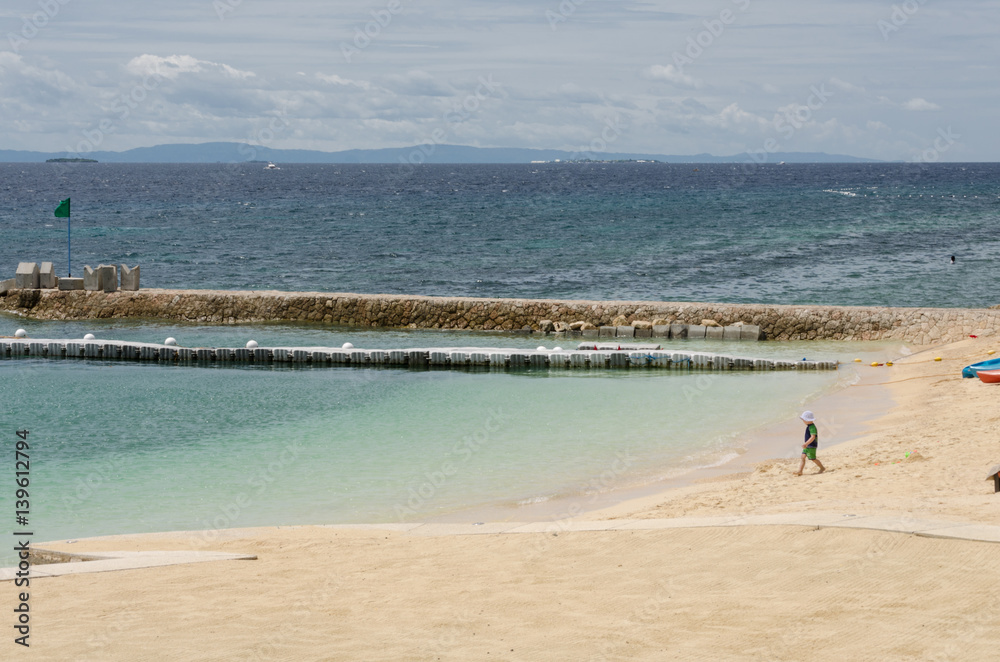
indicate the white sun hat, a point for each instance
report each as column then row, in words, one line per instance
column 808, row 416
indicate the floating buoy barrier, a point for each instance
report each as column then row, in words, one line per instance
column 588, row 356
column 937, row 358
column 857, row 360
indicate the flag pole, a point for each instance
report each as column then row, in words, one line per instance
column 69, row 245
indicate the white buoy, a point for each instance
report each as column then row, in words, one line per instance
column 557, row 349
column 169, row 341
column 20, row 333
column 540, row 348
column 347, row 345
column 251, row 344
column 89, row 336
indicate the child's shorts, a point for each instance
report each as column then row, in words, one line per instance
column 809, row 453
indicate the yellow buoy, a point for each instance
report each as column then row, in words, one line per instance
column 991, row 352
column 937, row 358
column 874, row 364
column 888, row 363
column 857, row 360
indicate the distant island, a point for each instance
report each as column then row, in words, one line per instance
column 227, row 152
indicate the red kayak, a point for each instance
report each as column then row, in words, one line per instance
column 989, row 376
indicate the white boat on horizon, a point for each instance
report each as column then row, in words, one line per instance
column 271, row 166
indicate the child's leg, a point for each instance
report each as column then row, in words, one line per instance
column 821, row 467
column 802, row 465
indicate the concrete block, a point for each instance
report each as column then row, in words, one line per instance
column 750, row 332
column 7, row 285
column 109, row 277
column 47, row 276
column 27, row 276
column 644, row 333
column 715, row 333
column 591, row 333
column 678, row 331
column 625, row 332
column 608, row 331
column 661, row 331
column 130, row 278
column 696, row 331
column 731, row 332
column 68, row 284
column 93, row 279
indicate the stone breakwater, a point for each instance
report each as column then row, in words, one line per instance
column 921, row 326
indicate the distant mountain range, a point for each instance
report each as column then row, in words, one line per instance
column 223, row 152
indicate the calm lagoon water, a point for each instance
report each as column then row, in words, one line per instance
column 122, row 447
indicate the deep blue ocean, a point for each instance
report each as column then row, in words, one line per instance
column 820, row 234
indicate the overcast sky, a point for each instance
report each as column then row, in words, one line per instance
column 912, row 80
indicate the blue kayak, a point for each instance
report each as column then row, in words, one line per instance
column 971, row 370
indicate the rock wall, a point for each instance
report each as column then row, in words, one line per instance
column 921, row 326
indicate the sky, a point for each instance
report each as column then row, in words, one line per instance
column 913, row 80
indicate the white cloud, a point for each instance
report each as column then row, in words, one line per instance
column 844, row 86
column 734, row 118
column 919, row 105
column 173, row 66
column 334, row 79
column 673, row 75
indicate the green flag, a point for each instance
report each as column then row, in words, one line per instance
column 62, row 211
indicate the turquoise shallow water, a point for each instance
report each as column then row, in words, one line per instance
column 134, row 447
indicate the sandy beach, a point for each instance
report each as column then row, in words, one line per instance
column 723, row 593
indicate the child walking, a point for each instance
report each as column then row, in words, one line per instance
column 811, row 442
